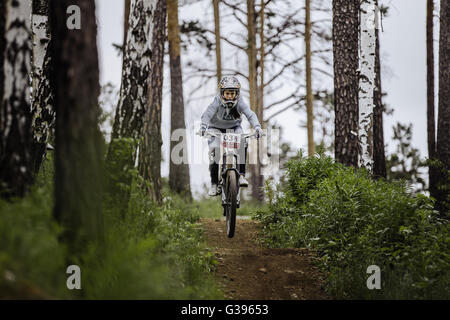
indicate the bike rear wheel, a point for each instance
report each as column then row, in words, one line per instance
column 231, row 205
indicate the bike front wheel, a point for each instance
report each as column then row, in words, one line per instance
column 232, row 190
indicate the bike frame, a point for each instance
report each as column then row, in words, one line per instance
column 228, row 160
column 230, row 144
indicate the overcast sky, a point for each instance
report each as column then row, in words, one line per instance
column 403, row 60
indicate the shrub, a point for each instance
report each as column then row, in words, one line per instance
column 352, row 222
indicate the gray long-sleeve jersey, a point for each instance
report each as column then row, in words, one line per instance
column 220, row 117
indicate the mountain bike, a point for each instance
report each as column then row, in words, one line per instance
column 228, row 186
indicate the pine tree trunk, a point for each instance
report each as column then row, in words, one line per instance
column 133, row 100
column 150, row 149
column 16, row 173
column 443, row 130
column 2, row 54
column 251, row 54
column 431, row 125
column 78, row 154
column 43, row 114
column 217, row 35
column 309, row 95
column 379, row 159
column 126, row 16
column 255, row 169
column 179, row 179
column 261, row 65
column 346, row 80
column 367, row 84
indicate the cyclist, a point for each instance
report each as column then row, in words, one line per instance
column 224, row 115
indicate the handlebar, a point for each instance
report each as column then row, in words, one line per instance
column 217, row 135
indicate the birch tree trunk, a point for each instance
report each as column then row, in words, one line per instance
column 15, row 113
column 443, row 130
column 150, row 148
column 431, row 125
column 136, row 71
column 379, row 159
column 217, row 35
column 309, row 95
column 367, row 83
column 133, row 100
column 179, row 179
column 346, row 81
column 43, row 114
column 78, row 154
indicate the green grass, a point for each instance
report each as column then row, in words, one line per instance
column 212, row 207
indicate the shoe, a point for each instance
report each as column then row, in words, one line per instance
column 212, row 190
column 242, row 181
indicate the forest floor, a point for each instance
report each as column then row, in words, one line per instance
column 246, row 270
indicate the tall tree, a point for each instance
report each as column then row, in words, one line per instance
column 126, row 16
column 133, row 99
column 379, row 158
column 43, row 114
column 256, row 177
column 136, row 70
column 179, row 179
column 367, row 83
column 309, row 94
column 252, row 54
column 2, row 51
column 15, row 111
column 75, row 79
column 217, row 35
column 150, row 148
column 345, row 57
column 443, row 130
column 260, row 63
column 431, row 125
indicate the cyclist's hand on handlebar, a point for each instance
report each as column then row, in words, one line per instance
column 202, row 130
column 259, row 132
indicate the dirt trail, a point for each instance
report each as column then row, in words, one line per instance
column 248, row 271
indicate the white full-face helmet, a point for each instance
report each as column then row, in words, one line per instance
column 229, row 83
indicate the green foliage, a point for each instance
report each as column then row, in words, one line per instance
column 120, row 171
column 352, row 222
column 152, row 252
column 405, row 163
column 32, row 261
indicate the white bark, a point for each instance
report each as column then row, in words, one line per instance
column 16, row 63
column 136, row 70
column 15, row 115
column 367, row 83
column 40, row 43
column 42, row 109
